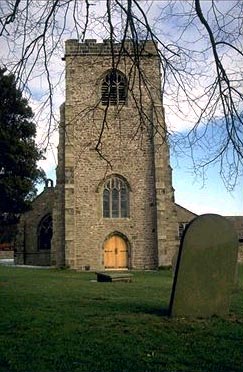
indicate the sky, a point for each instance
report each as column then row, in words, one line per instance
column 208, row 195
column 200, row 194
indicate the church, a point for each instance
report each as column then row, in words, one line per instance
column 113, row 204
column 114, row 207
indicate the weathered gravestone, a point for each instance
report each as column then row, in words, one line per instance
column 205, row 268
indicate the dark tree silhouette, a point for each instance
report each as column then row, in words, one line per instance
column 18, row 152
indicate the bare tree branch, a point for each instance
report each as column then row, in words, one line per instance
column 199, row 45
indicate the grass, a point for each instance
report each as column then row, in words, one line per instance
column 61, row 321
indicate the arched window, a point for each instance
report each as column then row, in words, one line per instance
column 45, row 232
column 115, row 198
column 114, row 89
column 48, row 183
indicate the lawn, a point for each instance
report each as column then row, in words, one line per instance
column 63, row 321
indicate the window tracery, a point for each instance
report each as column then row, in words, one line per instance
column 115, row 198
column 45, row 232
column 114, row 89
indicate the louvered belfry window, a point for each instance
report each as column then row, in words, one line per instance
column 114, row 89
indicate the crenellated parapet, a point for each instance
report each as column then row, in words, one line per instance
column 91, row 47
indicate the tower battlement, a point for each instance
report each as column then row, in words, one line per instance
column 91, row 47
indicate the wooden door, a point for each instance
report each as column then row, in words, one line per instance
column 115, row 253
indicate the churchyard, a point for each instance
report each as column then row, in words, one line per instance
column 64, row 321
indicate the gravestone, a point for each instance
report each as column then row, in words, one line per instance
column 205, row 268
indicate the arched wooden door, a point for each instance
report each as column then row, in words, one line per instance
column 115, row 253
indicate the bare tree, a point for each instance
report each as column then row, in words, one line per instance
column 200, row 48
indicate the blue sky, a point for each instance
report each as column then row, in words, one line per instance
column 198, row 194
column 215, row 188
column 208, row 195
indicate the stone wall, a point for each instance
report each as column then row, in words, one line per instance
column 133, row 145
column 58, row 239
column 6, row 254
column 183, row 214
column 26, row 248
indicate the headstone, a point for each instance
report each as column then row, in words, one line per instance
column 205, row 268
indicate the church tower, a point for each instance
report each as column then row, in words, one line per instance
column 114, row 204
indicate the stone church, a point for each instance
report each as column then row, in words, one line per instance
column 113, row 205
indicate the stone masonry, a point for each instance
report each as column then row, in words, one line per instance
column 131, row 143
column 26, row 247
column 98, row 142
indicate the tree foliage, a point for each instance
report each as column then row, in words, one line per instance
column 200, row 49
column 18, row 152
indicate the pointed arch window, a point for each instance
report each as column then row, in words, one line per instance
column 45, row 232
column 114, row 89
column 115, row 198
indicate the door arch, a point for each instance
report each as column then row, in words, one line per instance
column 116, row 253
